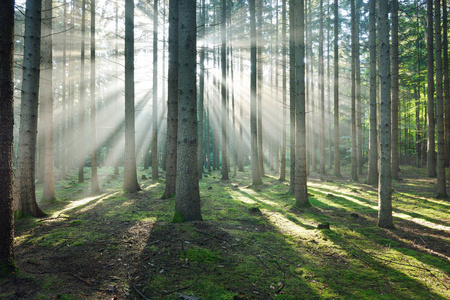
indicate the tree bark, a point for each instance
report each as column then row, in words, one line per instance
column 301, row 191
column 337, row 161
column 440, row 166
column 46, row 99
column 223, row 89
column 292, row 94
column 187, row 199
column 284, row 86
column 372, row 173
column 26, row 157
column 81, row 103
column 431, row 156
column 130, row 183
column 384, row 185
column 395, row 92
column 155, row 174
column 6, row 137
column 201, row 95
column 354, row 169
column 322, row 159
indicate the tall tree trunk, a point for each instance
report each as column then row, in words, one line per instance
column 337, row 161
column 372, row 173
column 301, row 190
column 130, row 183
column 6, row 137
column 155, row 174
column 440, row 166
column 172, row 101
column 322, row 94
column 431, row 156
column 354, row 166
column 284, row 86
column 384, row 185
column 48, row 194
column 187, row 199
column 26, row 157
column 359, row 154
column 329, row 115
column 256, row 175
column 259, row 89
column 201, row 89
column 81, row 103
column 64, row 98
column 446, row 81
column 395, row 91
column 223, row 57
column 94, row 177
column 292, row 94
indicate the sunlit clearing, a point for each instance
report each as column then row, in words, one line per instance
column 84, row 201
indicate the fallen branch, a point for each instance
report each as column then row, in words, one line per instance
column 81, row 279
column 264, row 264
column 139, row 292
column 177, row 290
column 211, row 235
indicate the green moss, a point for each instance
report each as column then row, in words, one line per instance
column 177, row 218
column 7, row 268
column 202, row 255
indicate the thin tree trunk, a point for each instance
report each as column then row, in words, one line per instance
column 259, row 89
column 223, row 57
column 431, row 156
column 201, row 89
column 292, row 94
column 155, row 174
column 372, row 173
column 256, row 175
column 81, row 103
column 322, row 158
column 359, row 155
column 48, row 193
column 440, row 166
column 301, row 190
column 446, row 81
column 94, row 177
column 337, row 162
column 354, row 166
column 130, row 183
column 395, row 91
column 284, row 87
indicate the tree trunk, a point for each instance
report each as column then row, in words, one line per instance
column 354, row 166
column 284, row 86
column 81, row 103
column 48, row 194
column 337, row 161
column 187, row 199
column 256, row 175
column 6, row 137
column 301, row 191
column 431, row 156
column 359, row 155
column 440, row 166
column 26, row 157
column 201, row 89
column 322, row 158
column 384, row 185
column 172, row 102
column 259, row 89
column 155, row 174
column 223, row 62
column 446, row 81
column 372, row 173
column 130, row 183
column 395, row 91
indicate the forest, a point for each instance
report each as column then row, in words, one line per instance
column 224, row 149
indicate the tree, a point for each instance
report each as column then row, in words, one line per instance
column 94, row 177
column 359, row 156
column 395, row 91
column 372, row 173
column 440, row 166
column 155, row 174
column 48, row 194
column 187, row 198
column 431, row 156
column 322, row 94
column 81, row 103
column 384, row 185
column 353, row 100
column 301, row 191
column 6, row 136
column 130, row 183
column 201, row 95
column 223, row 62
column 284, row 85
column 446, row 80
column 337, row 163
column 292, row 94
column 172, row 102
column 256, row 173
column 26, row 157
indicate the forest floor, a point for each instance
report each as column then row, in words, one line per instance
column 253, row 243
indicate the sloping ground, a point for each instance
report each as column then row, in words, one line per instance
column 253, row 244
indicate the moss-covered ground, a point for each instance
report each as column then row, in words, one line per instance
column 253, row 244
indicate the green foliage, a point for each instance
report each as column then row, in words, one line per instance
column 201, row 255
